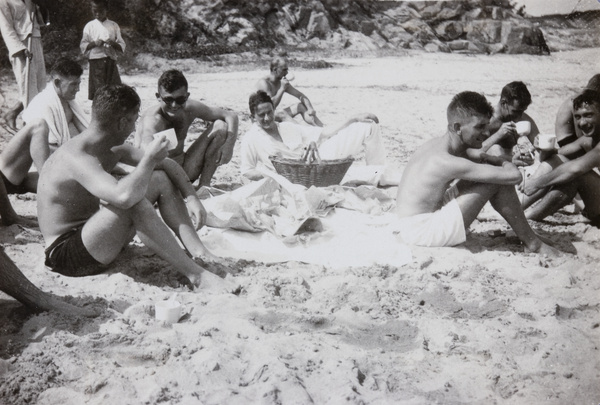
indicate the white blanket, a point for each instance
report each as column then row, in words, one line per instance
column 273, row 220
column 47, row 105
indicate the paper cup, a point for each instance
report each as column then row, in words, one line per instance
column 523, row 128
column 171, row 137
column 547, row 141
column 167, row 311
column 290, row 77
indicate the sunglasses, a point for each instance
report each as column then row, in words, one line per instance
column 178, row 100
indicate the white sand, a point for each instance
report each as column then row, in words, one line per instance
column 482, row 323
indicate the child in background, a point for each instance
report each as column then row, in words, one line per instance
column 101, row 44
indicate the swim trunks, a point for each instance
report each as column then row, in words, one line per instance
column 444, row 227
column 69, row 257
column 13, row 188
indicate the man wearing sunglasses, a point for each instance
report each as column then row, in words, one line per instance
column 176, row 111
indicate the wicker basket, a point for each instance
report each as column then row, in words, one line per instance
column 326, row 173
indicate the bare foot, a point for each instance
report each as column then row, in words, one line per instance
column 9, row 122
column 546, row 253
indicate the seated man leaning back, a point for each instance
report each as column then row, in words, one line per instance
column 87, row 216
column 435, row 210
column 267, row 137
column 52, row 118
column 175, row 110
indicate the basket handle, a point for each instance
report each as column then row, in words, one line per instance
column 311, row 154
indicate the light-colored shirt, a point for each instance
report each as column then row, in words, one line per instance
column 101, row 30
column 18, row 20
column 257, row 145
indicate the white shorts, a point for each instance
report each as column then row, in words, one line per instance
column 444, row 227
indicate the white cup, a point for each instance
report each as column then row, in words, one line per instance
column 168, row 311
column 290, row 77
column 523, row 128
column 547, row 141
column 171, row 137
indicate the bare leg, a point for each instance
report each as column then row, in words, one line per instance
column 554, row 200
column 10, row 117
column 545, row 167
column 29, row 146
column 301, row 109
column 588, row 187
column 473, row 197
column 201, row 158
column 105, row 234
column 174, row 213
column 8, row 216
column 14, row 283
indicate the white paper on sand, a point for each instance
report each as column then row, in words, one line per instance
column 171, row 137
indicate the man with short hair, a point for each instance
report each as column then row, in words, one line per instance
column 20, row 22
column 276, row 85
column 87, row 216
column 514, row 100
column 441, row 191
column 573, row 167
column 175, row 110
column 52, row 118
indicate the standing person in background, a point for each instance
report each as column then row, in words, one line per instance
column 20, row 22
column 102, row 44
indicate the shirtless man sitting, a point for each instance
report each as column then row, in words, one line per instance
column 43, row 132
column 175, row 110
column 87, row 216
column 276, row 85
column 514, row 100
column 573, row 165
column 432, row 213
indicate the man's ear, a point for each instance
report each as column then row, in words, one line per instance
column 157, row 95
column 456, row 127
column 56, row 81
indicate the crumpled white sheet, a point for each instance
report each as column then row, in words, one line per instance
column 273, row 220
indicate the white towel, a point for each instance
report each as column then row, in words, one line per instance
column 47, row 105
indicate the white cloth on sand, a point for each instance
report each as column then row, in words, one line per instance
column 272, row 220
column 47, row 105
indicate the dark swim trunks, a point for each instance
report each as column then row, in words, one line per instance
column 69, row 257
column 13, row 188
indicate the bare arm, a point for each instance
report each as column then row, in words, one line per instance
column 211, row 114
column 130, row 189
column 566, row 172
column 291, row 90
column 464, row 169
column 564, row 126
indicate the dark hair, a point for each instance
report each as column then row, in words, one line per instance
column 587, row 96
column 594, row 83
column 113, row 102
column 516, row 91
column 172, row 80
column 467, row 104
column 67, row 68
column 103, row 3
column 257, row 98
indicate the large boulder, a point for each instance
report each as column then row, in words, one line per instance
column 486, row 31
column 318, row 25
column 523, row 38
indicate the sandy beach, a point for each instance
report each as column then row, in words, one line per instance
column 480, row 323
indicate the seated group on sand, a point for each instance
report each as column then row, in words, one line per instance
column 87, row 213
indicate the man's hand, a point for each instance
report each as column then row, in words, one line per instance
column 311, row 112
column 157, row 150
column 285, row 83
column 364, row 117
column 529, row 187
column 23, row 54
column 508, row 130
column 98, row 43
column 196, row 211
